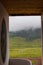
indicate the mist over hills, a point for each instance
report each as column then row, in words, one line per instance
column 29, row 34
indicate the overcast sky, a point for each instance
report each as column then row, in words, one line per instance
column 17, row 23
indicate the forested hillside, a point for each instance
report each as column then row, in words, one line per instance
column 28, row 34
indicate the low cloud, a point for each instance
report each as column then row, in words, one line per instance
column 17, row 23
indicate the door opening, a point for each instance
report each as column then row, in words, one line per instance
column 25, row 37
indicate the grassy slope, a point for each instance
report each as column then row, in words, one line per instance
column 20, row 47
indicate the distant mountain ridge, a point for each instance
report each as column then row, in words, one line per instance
column 29, row 34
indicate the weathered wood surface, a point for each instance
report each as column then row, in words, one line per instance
column 23, row 6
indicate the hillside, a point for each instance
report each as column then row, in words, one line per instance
column 25, row 43
column 28, row 34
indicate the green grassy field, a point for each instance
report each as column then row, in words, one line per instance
column 20, row 47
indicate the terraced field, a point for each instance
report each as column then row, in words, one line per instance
column 21, row 48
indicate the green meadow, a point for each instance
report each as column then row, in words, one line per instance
column 22, row 48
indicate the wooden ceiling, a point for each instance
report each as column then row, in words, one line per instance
column 23, row 7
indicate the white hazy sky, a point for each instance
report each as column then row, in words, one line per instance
column 17, row 23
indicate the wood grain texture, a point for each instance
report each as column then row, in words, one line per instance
column 23, row 6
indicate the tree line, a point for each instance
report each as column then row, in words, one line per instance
column 29, row 34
